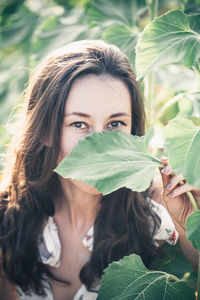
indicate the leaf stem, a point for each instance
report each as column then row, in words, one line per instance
column 150, row 98
column 191, row 197
column 174, row 278
column 193, row 201
column 153, row 8
column 198, row 280
column 153, row 11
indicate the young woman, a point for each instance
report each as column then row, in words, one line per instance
column 57, row 235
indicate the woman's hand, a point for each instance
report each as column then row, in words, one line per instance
column 175, row 197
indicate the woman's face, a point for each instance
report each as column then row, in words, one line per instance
column 94, row 104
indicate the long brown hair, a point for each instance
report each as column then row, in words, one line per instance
column 122, row 224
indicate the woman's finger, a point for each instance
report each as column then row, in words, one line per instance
column 179, row 190
column 164, row 160
column 174, row 181
column 167, row 170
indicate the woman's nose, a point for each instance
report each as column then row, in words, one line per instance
column 98, row 128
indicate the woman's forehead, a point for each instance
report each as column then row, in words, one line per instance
column 91, row 93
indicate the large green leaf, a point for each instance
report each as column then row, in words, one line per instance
column 171, row 38
column 182, row 142
column 193, row 229
column 111, row 160
column 129, row 279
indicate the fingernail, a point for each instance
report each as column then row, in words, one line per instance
column 165, row 170
column 170, row 195
column 168, row 186
column 164, row 158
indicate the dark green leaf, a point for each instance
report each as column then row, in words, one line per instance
column 128, row 279
column 171, row 260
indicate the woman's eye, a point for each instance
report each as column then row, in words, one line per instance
column 79, row 125
column 115, row 125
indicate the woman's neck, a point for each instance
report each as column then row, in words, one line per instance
column 77, row 205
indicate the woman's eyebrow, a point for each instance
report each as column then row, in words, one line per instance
column 80, row 114
column 120, row 114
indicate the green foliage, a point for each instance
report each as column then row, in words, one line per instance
column 72, row 3
column 111, row 160
column 119, row 22
column 171, row 38
column 8, row 7
column 182, row 140
column 175, row 85
column 192, row 6
column 18, row 29
column 56, row 31
column 124, row 38
column 172, row 261
column 193, row 229
column 129, row 279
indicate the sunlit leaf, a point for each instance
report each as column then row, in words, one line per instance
column 182, row 142
column 129, row 279
column 111, row 160
column 124, row 38
column 193, row 229
column 169, row 39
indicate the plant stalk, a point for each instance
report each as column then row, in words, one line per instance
column 174, row 278
column 150, row 99
column 198, row 281
column 193, row 201
column 153, row 8
column 153, row 11
column 191, row 197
